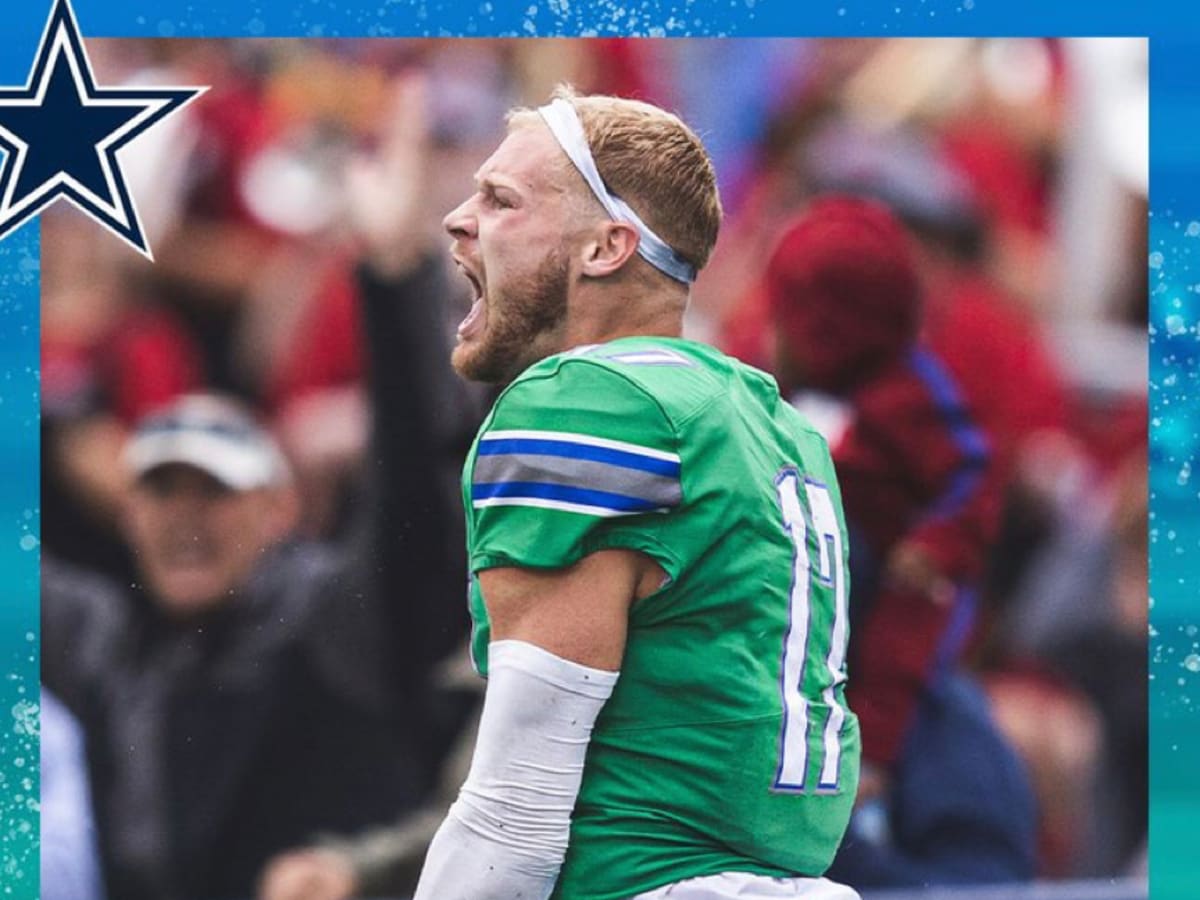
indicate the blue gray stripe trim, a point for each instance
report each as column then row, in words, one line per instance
column 659, row 490
column 603, row 475
column 568, row 450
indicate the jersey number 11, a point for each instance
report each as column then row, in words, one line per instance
column 804, row 645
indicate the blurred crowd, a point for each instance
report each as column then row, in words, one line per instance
column 253, row 582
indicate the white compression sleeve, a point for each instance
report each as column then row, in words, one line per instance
column 505, row 837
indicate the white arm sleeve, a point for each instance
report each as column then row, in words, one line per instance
column 505, row 837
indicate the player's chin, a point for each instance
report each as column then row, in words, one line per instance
column 473, row 359
column 490, row 360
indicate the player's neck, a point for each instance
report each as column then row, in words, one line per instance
column 602, row 312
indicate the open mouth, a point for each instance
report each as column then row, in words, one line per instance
column 475, row 322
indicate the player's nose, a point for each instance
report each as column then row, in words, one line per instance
column 460, row 222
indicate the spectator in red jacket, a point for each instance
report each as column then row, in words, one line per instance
column 919, row 489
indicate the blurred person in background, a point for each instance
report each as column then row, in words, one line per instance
column 213, row 690
column 252, row 691
column 108, row 358
column 988, row 340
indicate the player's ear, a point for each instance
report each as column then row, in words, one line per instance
column 608, row 248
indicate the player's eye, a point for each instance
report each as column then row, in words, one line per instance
column 497, row 200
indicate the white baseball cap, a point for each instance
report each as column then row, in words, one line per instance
column 212, row 433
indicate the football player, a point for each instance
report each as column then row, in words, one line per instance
column 656, row 542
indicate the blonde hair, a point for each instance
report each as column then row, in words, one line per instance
column 651, row 160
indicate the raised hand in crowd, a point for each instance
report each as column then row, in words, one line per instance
column 385, row 190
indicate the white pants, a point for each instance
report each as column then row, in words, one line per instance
column 745, row 886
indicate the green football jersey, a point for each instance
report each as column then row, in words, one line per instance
column 727, row 744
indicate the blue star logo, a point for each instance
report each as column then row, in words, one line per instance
column 60, row 135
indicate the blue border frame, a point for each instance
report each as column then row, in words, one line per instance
column 1174, row 29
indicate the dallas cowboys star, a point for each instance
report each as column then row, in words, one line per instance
column 60, row 135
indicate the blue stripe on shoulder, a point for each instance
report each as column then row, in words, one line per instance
column 562, row 493
column 570, row 450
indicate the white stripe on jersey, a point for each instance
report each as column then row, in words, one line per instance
column 650, row 357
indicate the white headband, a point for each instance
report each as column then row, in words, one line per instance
column 564, row 124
